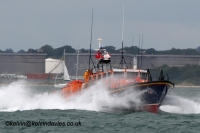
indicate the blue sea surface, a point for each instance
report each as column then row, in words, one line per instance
column 25, row 108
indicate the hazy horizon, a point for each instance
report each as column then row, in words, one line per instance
column 164, row 24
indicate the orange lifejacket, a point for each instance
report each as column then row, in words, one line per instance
column 86, row 76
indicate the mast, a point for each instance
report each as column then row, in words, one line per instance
column 77, row 63
column 139, row 54
column 64, row 71
column 65, row 74
column 123, row 37
column 122, row 62
column 134, row 58
column 64, row 55
column 141, row 51
column 90, row 58
column 91, row 39
column 132, row 46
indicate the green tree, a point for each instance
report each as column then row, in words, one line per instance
column 151, row 51
column 198, row 49
column 188, row 74
column 58, row 52
column 83, row 50
column 68, row 49
column 9, row 50
column 111, row 49
column 47, row 49
column 21, row 51
column 131, row 50
column 30, row 50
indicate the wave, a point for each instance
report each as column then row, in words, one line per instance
column 19, row 96
column 181, row 105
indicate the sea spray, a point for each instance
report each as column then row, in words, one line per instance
column 97, row 97
column 20, row 96
column 180, row 105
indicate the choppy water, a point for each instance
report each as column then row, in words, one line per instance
column 26, row 108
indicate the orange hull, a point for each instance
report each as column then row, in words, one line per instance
column 151, row 108
column 72, row 88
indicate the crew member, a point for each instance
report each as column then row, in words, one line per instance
column 86, row 76
column 98, row 55
column 106, row 57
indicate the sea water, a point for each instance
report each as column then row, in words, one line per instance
column 25, row 108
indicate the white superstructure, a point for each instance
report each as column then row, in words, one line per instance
column 54, row 66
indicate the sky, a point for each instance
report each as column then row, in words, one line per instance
column 164, row 24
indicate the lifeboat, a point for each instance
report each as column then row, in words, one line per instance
column 123, row 81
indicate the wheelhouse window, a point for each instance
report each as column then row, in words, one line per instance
column 105, row 74
column 132, row 74
column 118, row 74
column 135, row 74
column 99, row 76
column 94, row 77
column 143, row 75
column 109, row 74
column 90, row 78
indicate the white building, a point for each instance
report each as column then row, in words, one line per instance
column 54, row 66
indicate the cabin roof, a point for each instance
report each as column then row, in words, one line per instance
column 130, row 70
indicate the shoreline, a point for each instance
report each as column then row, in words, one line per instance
column 32, row 84
column 183, row 86
column 45, row 84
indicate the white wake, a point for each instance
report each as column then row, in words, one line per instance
column 19, row 96
column 181, row 105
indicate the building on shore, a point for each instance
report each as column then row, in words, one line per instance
column 34, row 63
column 22, row 63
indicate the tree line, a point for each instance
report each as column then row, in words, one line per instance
column 57, row 52
column 185, row 75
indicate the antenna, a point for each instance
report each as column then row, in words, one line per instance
column 132, row 44
column 139, row 54
column 64, row 55
column 91, row 38
column 77, row 62
column 122, row 58
column 123, row 25
column 90, row 58
column 141, row 51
